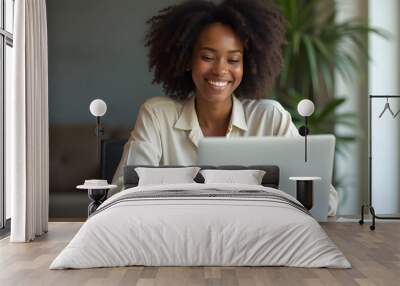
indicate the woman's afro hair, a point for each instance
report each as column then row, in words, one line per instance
column 174, row 30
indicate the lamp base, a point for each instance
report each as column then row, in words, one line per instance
column 97, row 197
column 303, row 130
column 304, row 193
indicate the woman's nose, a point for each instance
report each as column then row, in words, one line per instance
column 220, row 67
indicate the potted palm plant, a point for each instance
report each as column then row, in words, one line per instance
column 318, row 47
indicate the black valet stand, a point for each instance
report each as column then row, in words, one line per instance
column 369, row 205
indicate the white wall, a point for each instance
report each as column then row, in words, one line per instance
column 351, row 170
column 384, row 75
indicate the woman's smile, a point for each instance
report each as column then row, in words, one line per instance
column 218, row 85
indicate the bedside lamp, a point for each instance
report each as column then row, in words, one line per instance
column 305, row 108
column 98, row 108
column 97, row 189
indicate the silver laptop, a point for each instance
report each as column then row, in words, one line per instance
column 287, row 153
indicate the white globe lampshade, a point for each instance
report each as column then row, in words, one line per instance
column 98, row 107
column 305, row 107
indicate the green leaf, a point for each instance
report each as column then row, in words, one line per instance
column 296, row 43
column 312, row 62
column 345, row 139
column 285, row 72
column 322, row 48
column 331, row 107
column 327, row 76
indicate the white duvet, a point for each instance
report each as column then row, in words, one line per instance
column 200, row 231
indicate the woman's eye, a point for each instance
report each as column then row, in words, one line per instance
column 207, row 58
column 234, row 61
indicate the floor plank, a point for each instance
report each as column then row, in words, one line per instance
column 375, row 257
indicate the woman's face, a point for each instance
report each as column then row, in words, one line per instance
column 217, row 63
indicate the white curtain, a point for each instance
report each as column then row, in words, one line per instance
column 27, row 147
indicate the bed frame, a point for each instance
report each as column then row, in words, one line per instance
column 112, row 151
column 270, row 179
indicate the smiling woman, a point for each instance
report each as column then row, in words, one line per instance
column 217, row 70
column 215, row 62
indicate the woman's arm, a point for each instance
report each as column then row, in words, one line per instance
column 143, row 146
column 272, row 119
column 287, row 127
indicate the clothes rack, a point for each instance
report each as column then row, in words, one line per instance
column 369, row 205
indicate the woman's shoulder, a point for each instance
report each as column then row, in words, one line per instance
column 268, row 117
column 262, row 106
column 162, row 104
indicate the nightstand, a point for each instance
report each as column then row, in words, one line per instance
column 304, row 190
column 97, row 193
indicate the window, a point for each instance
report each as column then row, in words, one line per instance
column 6, row 60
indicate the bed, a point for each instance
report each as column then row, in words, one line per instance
column 199, row 224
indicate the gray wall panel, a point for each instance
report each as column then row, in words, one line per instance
column 96, row 51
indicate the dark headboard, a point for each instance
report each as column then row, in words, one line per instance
column 270, row 179
column 111, row 153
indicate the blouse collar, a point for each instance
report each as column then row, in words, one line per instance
column 188, row 119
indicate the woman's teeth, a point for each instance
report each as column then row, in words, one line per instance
column 218, row 84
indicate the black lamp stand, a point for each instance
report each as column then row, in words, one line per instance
column 304, row 131
column 99, row 135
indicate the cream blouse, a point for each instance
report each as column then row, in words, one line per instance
column 167, row 131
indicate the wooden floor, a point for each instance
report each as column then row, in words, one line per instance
column 375, row 257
